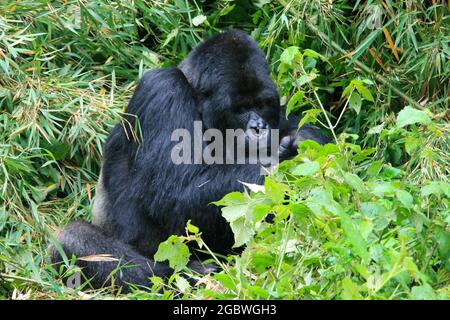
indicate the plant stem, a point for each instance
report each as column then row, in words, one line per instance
column 361, row 65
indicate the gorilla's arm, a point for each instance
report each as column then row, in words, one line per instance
column 85, row 241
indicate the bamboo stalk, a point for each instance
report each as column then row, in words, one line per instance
column 362, row 66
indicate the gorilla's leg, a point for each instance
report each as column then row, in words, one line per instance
column 83, row 240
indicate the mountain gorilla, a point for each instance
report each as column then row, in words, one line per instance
column 142, row 196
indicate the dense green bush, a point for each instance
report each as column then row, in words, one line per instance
column 364, row 218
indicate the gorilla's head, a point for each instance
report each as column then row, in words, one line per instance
column 230, row 77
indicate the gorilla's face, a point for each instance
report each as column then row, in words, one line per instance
column 230, row 77
column 254, row 116
column 256, row 121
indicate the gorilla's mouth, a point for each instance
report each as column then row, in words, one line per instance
column 259, row 135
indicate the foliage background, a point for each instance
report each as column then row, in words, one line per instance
column 376, row 71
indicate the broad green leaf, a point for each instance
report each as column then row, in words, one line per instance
column 309, row 116
column 354, row 237
column 260, row 212
column 174, row 250
column 366, row 227
column 182, row 284
column 306, row 169
column 225, row 280
column 405, row 198
column 423, row 292
column 410, row 116
column 436, row 188
column 383, row 188
column 242, row 231
column 411, row 144
column 289, row 54
column 274, row 190
column 364, row 91
column 305, row 78
column 355, row 183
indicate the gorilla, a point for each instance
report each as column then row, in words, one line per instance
column 142, row 196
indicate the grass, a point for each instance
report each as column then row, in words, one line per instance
column 67, row 71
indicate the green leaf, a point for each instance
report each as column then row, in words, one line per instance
column 182, row 284
column 350, row 290
column 405, row 198
column 294, row 101
column 230, row 199
column 306, row 169
column 354, row 237
column 58, row 149
column 191, row 228
column 410, row 116
column 235, row 206
column 198, row 20
column 174, row 250
column 242, row 231
column 355, row 183
column 313, row 54
column 225, row 280
column 274, row 190
column 305, row 78
column 436, row 188
column 355, row 102
column 423, row 292
column 363, row 91
column 411, row 144
column 289, row 55
column 260, row 211
column 309, row 116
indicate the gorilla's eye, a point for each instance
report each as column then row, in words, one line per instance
column 241, row 108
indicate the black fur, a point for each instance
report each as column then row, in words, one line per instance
column 142, row 197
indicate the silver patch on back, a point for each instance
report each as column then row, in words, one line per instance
column 100, row 203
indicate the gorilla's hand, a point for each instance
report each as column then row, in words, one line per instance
column 292, row 137
column 288, row 145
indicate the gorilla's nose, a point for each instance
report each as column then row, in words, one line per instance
column 257, row 123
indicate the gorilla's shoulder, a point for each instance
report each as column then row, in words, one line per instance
column 161, row 78
column 165, row 89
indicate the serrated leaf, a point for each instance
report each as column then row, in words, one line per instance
column 242, row 231
column 174, row 250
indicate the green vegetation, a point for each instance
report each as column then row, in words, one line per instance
column 366, row 217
